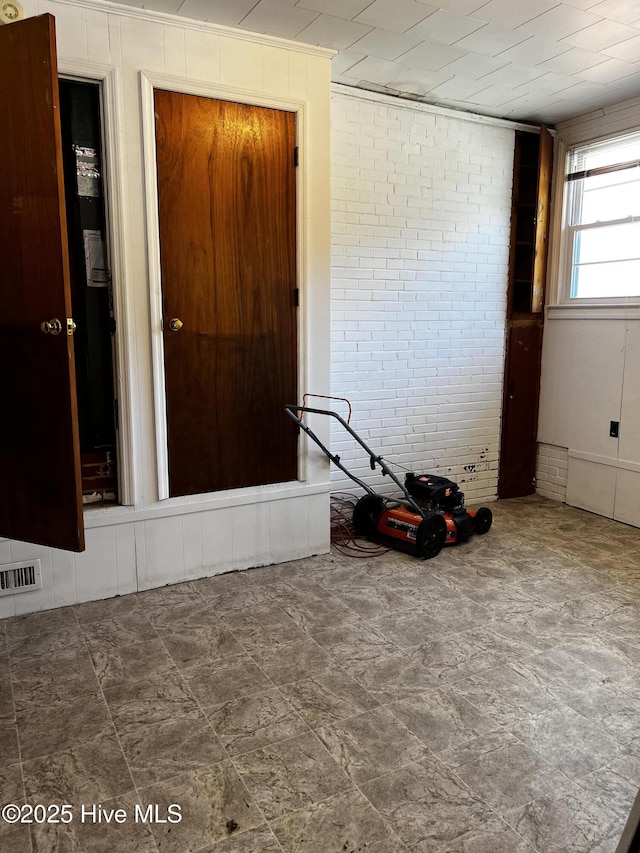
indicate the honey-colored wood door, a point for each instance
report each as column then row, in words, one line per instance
column 40, row 491
column 227, row 214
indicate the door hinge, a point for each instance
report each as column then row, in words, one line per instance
column 296, row 297
column 296, row 156
column 116, row 413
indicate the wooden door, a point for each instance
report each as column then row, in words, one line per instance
column 40, row 492
column 227, row 213
column 525, row 305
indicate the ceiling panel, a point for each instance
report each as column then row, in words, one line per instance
column 529, row 60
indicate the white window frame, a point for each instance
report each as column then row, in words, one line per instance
column 567, row 232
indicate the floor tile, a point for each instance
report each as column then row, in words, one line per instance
column 504, row 695
column 45, row 622
column 121, row 629
column 327, row 696
column 264, row 626
column 49, row 678
column 557, row 672
column 153, row 700
column 218, row 681
column 429, row 808
column 568, row 820
column 293, row 774
column 9, row 750
column 162, row 750
column 261, row 840
column 108, row 609
column 371, row 744
column 392, row 676
column 442, row 719
column 64, row 724
column 190, row 646
column 502, row 770
column 90, row 772
column 566, row 740
column 288, row 662
column 45, row 644
column 214, row 803
column 310, row 605
column 412, row 629
column 346, row 822
column 251, row 722
column 118, row 664
column 351, row 644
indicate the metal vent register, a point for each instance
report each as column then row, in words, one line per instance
column 20, row 577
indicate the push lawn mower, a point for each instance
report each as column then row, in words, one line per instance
column 431, row 514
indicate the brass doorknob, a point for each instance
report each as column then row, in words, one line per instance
column 175, row 325
column 51, row 327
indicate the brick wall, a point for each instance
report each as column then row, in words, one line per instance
column 420, row 228
column 551, row 472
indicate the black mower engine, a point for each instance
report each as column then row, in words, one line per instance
column 434, row 493
column 438, row 494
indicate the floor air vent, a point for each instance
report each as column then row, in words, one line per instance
column 20, row 577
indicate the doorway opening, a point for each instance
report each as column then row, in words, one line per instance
column 91, row 289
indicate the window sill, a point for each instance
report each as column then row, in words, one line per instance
column 591, row 311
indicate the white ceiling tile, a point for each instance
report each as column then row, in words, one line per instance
column 494, row 96
column 346, row 9
column 386, row 45
column 491, row 40
column 560, row 22
column 446, row 27
column 609, row 71
column 572, row 62
column 601, row 35
column 395, row 15
column 628, row 50
column 475, row 65
column 344, row 60
column 625, row 11
column 333, row 32
column 229, row 13
column 581, row 4
column 551, row 83
column 278, row 18
column 431, row 55
column 418, row 81
column 460, row 7
column 534, row 50
column 507, row 13
column 512, row 75
column 457, row 88
column 374, row 70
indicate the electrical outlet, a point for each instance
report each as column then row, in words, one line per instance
column 614, row 429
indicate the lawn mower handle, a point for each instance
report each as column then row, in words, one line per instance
column 294, row 411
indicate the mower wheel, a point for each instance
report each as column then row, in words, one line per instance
column 431, row 536
column 483, row 520
column 366, row 515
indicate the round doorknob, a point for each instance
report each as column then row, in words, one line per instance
column 175, row 325
column 51, row 327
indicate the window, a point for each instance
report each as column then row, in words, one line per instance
column 602, row 219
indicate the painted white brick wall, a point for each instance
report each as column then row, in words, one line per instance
column 420, row 240
column 552, row 469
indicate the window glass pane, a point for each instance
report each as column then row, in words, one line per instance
column 620, row 150
column 594, row 281
column 612, row 243
column 605, row 199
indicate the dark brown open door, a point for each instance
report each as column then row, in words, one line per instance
column 40, row 493
column 525, row 305
column 227, row 210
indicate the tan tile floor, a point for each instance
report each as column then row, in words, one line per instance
column 486, row 701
